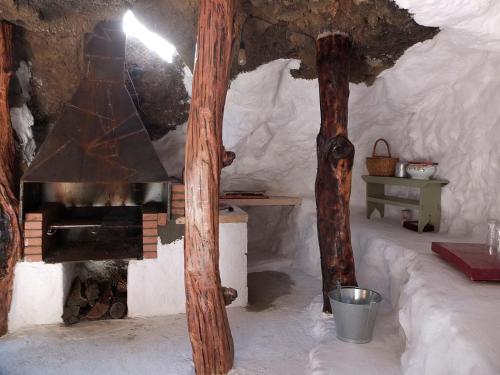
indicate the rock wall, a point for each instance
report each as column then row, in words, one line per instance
column 50, row 34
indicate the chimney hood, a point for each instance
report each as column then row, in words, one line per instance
column 99, row 136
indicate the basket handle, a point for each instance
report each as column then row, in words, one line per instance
column 386, row 145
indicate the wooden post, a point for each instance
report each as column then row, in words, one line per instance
column 209, row 331
column 10, row 247
column 335, row 159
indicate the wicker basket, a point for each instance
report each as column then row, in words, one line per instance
column 381, row 165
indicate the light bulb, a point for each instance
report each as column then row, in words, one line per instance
column 242, row 55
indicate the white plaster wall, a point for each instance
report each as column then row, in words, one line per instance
column 39, row 293
column 439, row 102
column 156, row 286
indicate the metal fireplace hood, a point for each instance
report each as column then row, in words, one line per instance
column 99, row 137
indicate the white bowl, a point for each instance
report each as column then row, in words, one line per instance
column 421, row 171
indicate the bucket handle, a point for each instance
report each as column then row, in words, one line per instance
column 386, row 144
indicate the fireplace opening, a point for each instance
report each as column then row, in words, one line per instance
column 67, row 222
column 95, row 233
column 98, row 291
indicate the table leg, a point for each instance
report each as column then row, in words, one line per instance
column 436, row 211
column 430, row 207
column 374, row 190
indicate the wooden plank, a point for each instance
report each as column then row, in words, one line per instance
column 271, row 201
column 225, row 217
column 395, row 201
column 398, row 181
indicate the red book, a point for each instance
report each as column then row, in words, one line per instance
column 473, row 259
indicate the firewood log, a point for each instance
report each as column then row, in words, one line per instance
column 74, row 302
column 91, row 291
column 102, row 306
column 118, row 310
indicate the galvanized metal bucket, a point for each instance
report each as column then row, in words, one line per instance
column 355, row 310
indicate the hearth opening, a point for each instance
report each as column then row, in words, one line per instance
column 98, row 291
column 67, row 222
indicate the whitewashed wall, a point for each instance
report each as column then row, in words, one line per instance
column 439, row 102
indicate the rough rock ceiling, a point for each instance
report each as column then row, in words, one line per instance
column 51, row 32
column 381, row 32
column 162, row 99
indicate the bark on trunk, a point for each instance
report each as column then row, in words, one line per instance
column 10, row 246
column 209, row 331
column 335, row 159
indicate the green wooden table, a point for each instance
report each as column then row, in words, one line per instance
column 428, row 204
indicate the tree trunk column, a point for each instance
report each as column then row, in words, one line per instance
column 209, row 331
column 11, row 248
column 335, row 160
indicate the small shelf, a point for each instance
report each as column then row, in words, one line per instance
column 395, row 201
column 399, row 181
column 268, row 201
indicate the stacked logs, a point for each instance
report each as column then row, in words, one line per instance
column 93, row 300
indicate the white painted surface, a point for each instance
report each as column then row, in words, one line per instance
column 289, row 336
column 439, row 102
column 39, row 293
column 156, row 286
column 451, row 324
